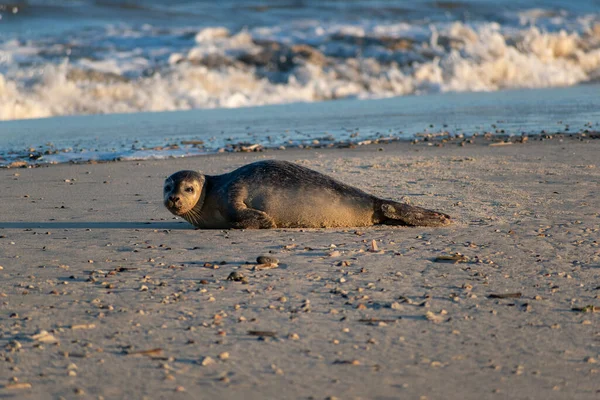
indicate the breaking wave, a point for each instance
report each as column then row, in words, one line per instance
column 121, row 69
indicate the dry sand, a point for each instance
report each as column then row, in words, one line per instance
column 136, row 303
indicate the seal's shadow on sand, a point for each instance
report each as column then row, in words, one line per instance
column 96, row 225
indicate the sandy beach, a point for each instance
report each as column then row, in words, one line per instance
column 103, row 294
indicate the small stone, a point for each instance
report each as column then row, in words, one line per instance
column 18, row 385
column 260, row 267
column 519, row 370
column 224, row 355
column 83, row 326
column 207, row 361
column 13, row 346
column 235, row 276
column 44, row 337
column 436, row 319
column 266, row 260
column 294, row 336
column 374, row 248
column 590, row 360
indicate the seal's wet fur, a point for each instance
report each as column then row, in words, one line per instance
column 280, row 194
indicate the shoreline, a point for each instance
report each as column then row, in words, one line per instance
column 137, row 303
column 343, row 122
column 441, row 139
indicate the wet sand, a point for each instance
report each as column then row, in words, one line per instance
column 136, row 304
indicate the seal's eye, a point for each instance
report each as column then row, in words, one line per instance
column 189, row 189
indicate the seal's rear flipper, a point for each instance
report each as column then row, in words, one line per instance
column 404, row 214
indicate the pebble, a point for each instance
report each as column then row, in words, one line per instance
column 266, row 260
column 207, row 361
column 83, row 326
column 260, row 267
column 436, row 319
column 237, row 277
column 21, row 385
column 374, row 248
column 13, row 345
column 44, row 337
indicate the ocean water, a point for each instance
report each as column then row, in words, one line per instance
column 138, row 136
column 90, row 57
column 114, row 56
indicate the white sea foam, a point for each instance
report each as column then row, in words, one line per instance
column 308, row 62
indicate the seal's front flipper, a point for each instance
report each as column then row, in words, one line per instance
column 404, row 214
column 249, row 218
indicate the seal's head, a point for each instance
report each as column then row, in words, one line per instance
column 182, row 191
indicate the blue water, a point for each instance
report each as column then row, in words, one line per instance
column 291, row 71
column 44, row 17
column 160, row 135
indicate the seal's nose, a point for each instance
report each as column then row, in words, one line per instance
column 174, row 199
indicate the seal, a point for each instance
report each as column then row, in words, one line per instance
column 281, row 194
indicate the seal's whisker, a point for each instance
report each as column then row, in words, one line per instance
column 194, row 216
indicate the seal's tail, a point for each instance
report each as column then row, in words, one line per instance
column 394, row 213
